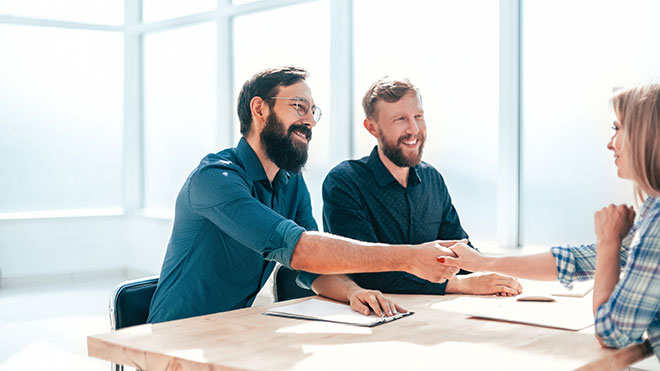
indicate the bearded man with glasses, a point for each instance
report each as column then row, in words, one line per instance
column 245, row 208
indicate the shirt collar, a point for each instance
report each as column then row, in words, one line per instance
column 250, row 160
column 254, row 167
column 383, row 176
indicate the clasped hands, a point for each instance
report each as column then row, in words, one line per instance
column 439, row 261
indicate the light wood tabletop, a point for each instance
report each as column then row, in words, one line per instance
column 438, row 336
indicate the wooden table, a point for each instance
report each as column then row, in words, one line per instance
column 432, row 338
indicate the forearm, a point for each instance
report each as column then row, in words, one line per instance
column 335, row 286
column 324, row 253
column 607, row 272
column 534, row 267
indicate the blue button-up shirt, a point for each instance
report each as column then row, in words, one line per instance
column 230, row 227
column 363, row 200
column 633, row 308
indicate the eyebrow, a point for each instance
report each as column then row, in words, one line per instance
column 399, row 114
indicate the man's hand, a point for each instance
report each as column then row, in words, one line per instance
column 484, row 284
column 466, row 258
column 364, row 301
column 612, row 224
column 424, row 262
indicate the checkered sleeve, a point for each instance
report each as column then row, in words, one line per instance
column 579, row 262
column 635, row 300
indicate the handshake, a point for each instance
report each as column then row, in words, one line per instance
column 438, row 261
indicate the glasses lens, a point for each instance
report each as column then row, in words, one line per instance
column 316, row 112
column 302, row 107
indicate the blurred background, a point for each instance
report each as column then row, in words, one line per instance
column 107, row 105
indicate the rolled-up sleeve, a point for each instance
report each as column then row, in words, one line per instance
column 578, row 263
column 222, row 195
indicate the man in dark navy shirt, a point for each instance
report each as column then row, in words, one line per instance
column 245, row 208
column 391, row 196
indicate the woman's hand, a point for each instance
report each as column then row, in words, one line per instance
column 466, row 258
column 364, row 301
column 612, row 224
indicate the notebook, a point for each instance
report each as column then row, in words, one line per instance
column 323, row 310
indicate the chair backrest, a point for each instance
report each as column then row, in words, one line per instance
column 129, row 302
column 285, row 287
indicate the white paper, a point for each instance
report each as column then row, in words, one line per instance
column 322, row 310
column 578, row 289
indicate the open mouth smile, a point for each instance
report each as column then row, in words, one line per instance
column 301, row 136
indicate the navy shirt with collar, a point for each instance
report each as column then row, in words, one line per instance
column 230, row 227
column 363, row 200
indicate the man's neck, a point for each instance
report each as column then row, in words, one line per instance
column 269, row 166
column 399, row 173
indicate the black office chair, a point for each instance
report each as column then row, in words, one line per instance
column 129, row 304
column 285, row 287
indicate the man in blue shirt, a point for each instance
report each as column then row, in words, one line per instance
column 391, row 196
column 245, row 208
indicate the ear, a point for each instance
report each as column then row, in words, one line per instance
column 259, row 110
column 370, row 125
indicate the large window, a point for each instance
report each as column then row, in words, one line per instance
column 60, row 119
column 180, row 115
column 109, row 12
column 281, row 41
column 158, row 10
column 79, row 132
column 570, row 73
column 451, row 53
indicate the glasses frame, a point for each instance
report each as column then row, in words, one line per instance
column 300, row 110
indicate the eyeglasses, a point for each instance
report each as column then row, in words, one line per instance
column 302, row 107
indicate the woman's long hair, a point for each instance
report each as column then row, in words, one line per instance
column 638, row 111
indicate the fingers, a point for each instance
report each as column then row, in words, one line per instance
column 445, row 251
column 373, row 300
column 399, row 308
column 449, row 243
column 450, row 262
column 359, row 307
column 506, row 290
column 386, row 305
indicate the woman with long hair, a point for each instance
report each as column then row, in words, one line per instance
column 625, row 305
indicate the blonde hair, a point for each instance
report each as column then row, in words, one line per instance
column 638, row 111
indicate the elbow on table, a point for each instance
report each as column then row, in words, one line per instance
column 616, row 337
column 601, row 342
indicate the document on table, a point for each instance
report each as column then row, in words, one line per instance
column 559, row 314
column 566, row 312
column 578, row 289
column 322, row 310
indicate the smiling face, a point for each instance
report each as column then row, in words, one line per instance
column 286, row 135
column 400, row 129
column 622, row 158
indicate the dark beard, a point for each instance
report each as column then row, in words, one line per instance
column 395, row 154
column 281, row 148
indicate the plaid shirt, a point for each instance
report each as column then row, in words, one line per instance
column 634, row 305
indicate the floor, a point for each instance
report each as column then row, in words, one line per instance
column 44, row 326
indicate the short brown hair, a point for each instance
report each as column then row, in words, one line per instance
column 387, row 89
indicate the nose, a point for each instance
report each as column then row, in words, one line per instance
column 309, row 119
column 412, row 128
column 610, row 144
